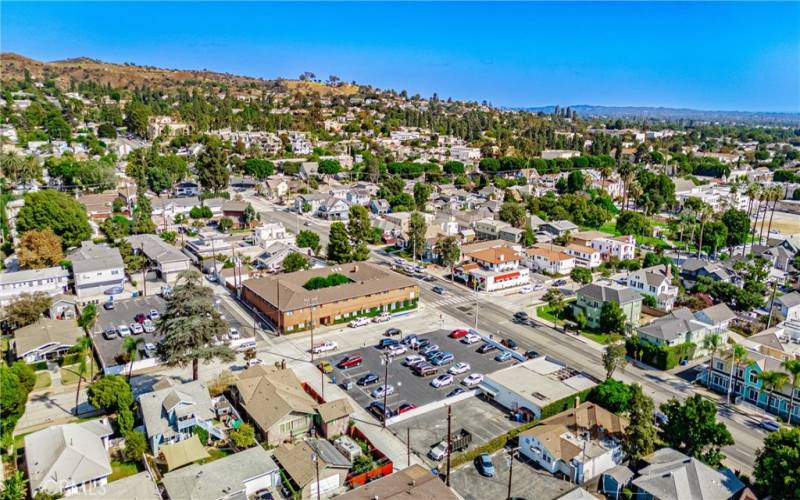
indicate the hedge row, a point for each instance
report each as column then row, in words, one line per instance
column 499, row 442
column 661, row 357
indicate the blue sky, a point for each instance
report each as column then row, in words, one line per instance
column 716, row 56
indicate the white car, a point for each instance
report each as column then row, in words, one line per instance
column 442, row 380
column 358, row 322
column 414, row 359
column 397, row 350
column 383, row 390
column 381, row 318
column 123, row 330
column 254, row 362
column 233, row 334
column 136, row 328
column 472, row 380
column 459, row 368
column 526, row 289
column 150, row 349
column 153, row 314
column 328, row 345
column 148, row 326
column 471, row 338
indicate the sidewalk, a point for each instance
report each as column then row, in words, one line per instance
column 383, row 439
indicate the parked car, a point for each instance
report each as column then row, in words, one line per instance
column 459, row 368
column 382, row 390
column 443, row 359
column 471, row 338
column 770, row 425
column 411, row 340
column 503, row 356
column 560, row 282
column 148, row 326
column 328, row 345
column 405, row 407
column 458, row 333
column 350, row 361
column 429, row 349
column 368, row 379
column 423, row 343
column 397, row 350
column 391, row 332
column 455, row 392
column 384, row 343
column 509, row 343
column 442, row 380
column 139, row 318
column 255, row 362
column 484, row 465
column 325, row 366
column 382, row 318
column 358, row 322
column 472, row 380
column 526, row 289
column 136, row 328
column 413, row 360
column 109, row 305
column 459, row 440
column 154, row 314
column 531, row 354
column 379, row 411
column 486, row 348
column 424, row 369
column 440, row 290
column 430, row 356
column 110, row 333
column 150, row 350
column 233, row 334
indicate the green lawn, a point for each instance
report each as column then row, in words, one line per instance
column 42, row 380
column 546, row 312
column 216, row 454
column 122, row 469
column 69, row 374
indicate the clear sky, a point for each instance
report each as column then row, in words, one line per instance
column 713, row 56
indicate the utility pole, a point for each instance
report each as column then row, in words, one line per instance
column 214, row 256
column 316, row 465
column 408, row 446
column 476, row 306
column 311, row 306
column 144, row 268
column 772, row 302
column 449, row 447
column 385, row 385
column 511, row 472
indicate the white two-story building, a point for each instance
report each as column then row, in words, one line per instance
column 494, row 269
column 51, row 281
column 621, row 247
column 549, row 261
column 587, row 257
column 656, row 282
column 99, row 272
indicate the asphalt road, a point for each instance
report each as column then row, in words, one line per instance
column 576, row 352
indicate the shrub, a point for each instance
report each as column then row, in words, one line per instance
column 135, row 445
column 201, row 434
column 318, row 282
column 661, row 357
column 244, row 436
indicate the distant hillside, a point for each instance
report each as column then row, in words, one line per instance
column 129, row 76
column 632, row 112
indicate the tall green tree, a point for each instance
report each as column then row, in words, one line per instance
column 15, row 487
column 143, row 215
column 359, row 227
column 528, row 238
column 137, row 116
column 738, row 224
column 191, row 326
column 130, row 346
column 27, row 309
column 417, row 228
column 339, row 249
column 449, row 252
column 641, row 434
column 83, row 347
column 712, row 343
column 792, row 367
column 614, row 358
column 308, row 239
column 692, row 428
column 57, row 211
column 295, row 262
column 611, row 394
column 772, row 381
column 422, row 192
column 212, row 168
column 777, row 463
column 513, row 213
column 113, row 394
column 555, row 301
column 612, row 318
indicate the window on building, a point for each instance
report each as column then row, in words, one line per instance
column 753, row 378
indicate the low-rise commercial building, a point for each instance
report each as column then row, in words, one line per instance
column 493, row 269
column 292, row 303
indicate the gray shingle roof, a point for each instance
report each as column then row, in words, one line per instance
column 155, row 405
column 33, row 274
column 790, row 299
column 90, row 257
column 220, row 478
column 620, row 295
column 673, row 325
column 674, row 476
column 157, row 249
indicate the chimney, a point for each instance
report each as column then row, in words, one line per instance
column 669, row 271
column 577, row 402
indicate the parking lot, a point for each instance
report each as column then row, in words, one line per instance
column 124, row 313
column 483, row 420
column 408, row 387
column 526, row 482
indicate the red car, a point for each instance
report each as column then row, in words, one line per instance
column 350, row 361
column 458, row 333
column 406, row 407
column 140, row 318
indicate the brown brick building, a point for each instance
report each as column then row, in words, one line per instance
column 371, row 289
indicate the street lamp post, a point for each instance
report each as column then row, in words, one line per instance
column 316, row 466
column 510, row 469
column 311, row 304
column 386, row 362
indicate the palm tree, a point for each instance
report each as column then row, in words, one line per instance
column 772, row 381
column 83, row 346
column 605, row 173
column 711, row 343
column 131, row 347
column 777, row 195
column 704, row 214
column 753, row 192
column 739, row 357
column 793, row 367
column 766, row 197
column 555, row 301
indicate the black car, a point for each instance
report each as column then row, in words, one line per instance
column 379, row 411
column 384, row 343
column 521, row 316
column 391, row 332
column 424, row 342
column 560, row 282
column 510, row 344
column 369, row 378
column 531, row 354
column 411, row 339
column 486, row 348
column 439, row 290
column 108, row 305
column 455, row 392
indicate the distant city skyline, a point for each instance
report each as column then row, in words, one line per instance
column 705, row 56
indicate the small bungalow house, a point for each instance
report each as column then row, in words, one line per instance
column 46, row 339
column 298, row 462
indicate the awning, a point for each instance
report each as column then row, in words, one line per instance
column 488, row 390
column 183, row 452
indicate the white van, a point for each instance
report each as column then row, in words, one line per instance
column 358, row 322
